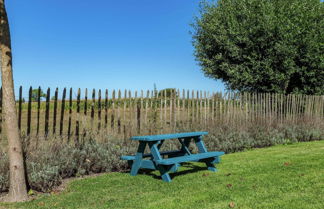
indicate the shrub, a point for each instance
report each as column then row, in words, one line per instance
column 257, row 137
column 4, row 174
column 53, row 160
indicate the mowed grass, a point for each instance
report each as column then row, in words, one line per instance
column 284, row 176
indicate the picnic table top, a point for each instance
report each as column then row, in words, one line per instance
column 168, row 136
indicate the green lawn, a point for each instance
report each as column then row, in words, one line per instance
column 285, row 176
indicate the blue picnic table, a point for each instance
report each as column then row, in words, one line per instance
column 170, row 161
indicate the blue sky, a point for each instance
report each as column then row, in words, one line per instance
column 105, row 44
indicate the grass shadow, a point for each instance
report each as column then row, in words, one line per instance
column 185, row 168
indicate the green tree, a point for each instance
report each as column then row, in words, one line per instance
column 35, row 95
column 168, row 92
column 262, row 45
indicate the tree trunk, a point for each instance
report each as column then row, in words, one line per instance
column 17, row 189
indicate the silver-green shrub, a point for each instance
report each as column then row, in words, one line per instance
column 54, row 160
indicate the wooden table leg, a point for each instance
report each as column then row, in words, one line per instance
column 138, row 158
column 202, row 149
column 185, row 145
column 156, row 156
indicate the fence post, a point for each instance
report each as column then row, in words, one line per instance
column 138, row 117
column 106, row 109
column 112, row 121
column 48, row 96
column 99, row 110
column 38, row 109
column 55, row 110
column 29, row 111
column 77, row 122
column 19, row 108
column 70, row 115
column 118, row 112
column 93, row 103
column 62, row 111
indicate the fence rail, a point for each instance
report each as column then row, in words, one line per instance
column 122, row 114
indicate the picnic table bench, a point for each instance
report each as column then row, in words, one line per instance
column 170, row 161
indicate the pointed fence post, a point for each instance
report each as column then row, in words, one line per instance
column 38, row 109
column 99, row 110
column 106, row 109
column 55, row 111
column 70, row 116
column 62, row 111
column 48, row 96
column 77, row 122
column 29, row 111
column 19, row 108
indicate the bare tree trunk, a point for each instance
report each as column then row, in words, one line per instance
column 17, row 189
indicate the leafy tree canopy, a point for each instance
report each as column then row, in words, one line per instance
column 35, row 95
column 262, row 45
column 168, row 92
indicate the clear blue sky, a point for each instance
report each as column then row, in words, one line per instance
column 124, row 44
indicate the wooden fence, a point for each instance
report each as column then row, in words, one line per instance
column 73, row 115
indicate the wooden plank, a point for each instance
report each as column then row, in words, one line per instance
column 125, row 106
column 62, row 111
column 19, row 107
column 112, row 120
column 55, row 110
column 205, row 108
column 130, row 110
column 93, row 107
column 213, row 107
column 248, row 111
column 106, row 108
column 270, row 102
column 85, row 109
column 293, row 109
column 198, row 108
column 85, row 101
column 172, row 110
column 189, row 158
column 276, row 107
column 29, row 111
column 160, row 95
column 146, row 107
column 77, row 122
column 288, row 106
column 209, row 101
column 151, row 138
column 183, row 109
column 99, row 110
column 192, row 105
column 138, row 117
column 299, row 108
column 176, row 107
column 38, row 109
column 251, row 107
column 70, row 115
column 165, row 107
column 118, row 103
column 47, row 110
column 282, row 111
column 141, row 110
column 188, row 109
